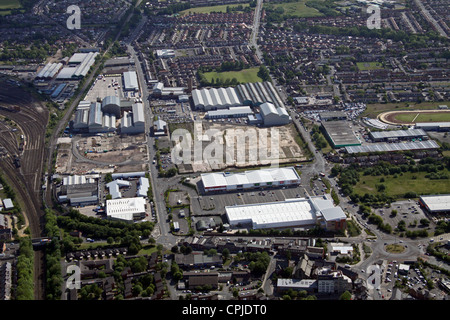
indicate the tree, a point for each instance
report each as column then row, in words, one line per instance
column 263, row 73
column 225, row 253
column 346, row 296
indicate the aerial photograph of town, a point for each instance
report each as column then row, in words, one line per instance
column 245, row 151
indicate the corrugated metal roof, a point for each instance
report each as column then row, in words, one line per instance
column 130, row 80
column 389, row 147
column 398, row 133
column 138, row 113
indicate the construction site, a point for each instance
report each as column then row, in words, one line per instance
column 103, row 153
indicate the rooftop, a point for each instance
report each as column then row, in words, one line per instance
column 437, row 202
column 340, row 133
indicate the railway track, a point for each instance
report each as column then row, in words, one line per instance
column 31, row 120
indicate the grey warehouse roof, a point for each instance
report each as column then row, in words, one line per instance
column 389, row 147
column 410, row 133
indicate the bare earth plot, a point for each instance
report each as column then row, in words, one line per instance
column 243, row 146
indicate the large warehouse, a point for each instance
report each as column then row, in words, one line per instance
column 392, row 147
column 133, row 122
column 249, row 94
column 211, row 99
column 340, row 134
column 130, row 81
column 234, row 112
column 127, row 209
column 79, row 65
column 224, row 181
column 299, row 212
column 273, row 116
column 433, row 126
column 394, row 135
column 436, row 203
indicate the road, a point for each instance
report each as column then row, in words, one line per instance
column 164, row 236
column 256, row 24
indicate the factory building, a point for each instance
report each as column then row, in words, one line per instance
column 99, row 121
column 78, row 66
column 298, row 212
column 339, row 134
column 254, row 179
column 130, row 81
column 143, row 187
column 76, row 179
column 127, row 209
column 395, row 135
column 159, row 90
column 273, row 116
column 234, row 112
column 433, row 126
column 332, row 116
column 213, row 99
column 249, row 94
column 160, row 128
column 79, row 194
column 392, row 147
column 101, row 117
column 49, row 71
column 114, row 188
column 255, row 94
column 111, row 105
column 133, row 122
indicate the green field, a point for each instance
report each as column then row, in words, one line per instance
column 374, row 109
column 221, row 8
column 243, row 76
column 403, row 184
column 298, row 9
column 363, row 66
column 9, row 4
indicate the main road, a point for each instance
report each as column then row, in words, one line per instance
column 165, row 237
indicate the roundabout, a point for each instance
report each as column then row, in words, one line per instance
column 394, row 248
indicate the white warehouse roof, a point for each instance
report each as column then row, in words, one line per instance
column 436, row 203
column 270, row 175
column 125, row 208
column 288, row 213
column 130, row 80
column 284, row 214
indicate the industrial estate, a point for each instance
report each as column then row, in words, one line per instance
column 225, row 150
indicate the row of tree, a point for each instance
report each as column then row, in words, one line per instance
column 25, row 268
